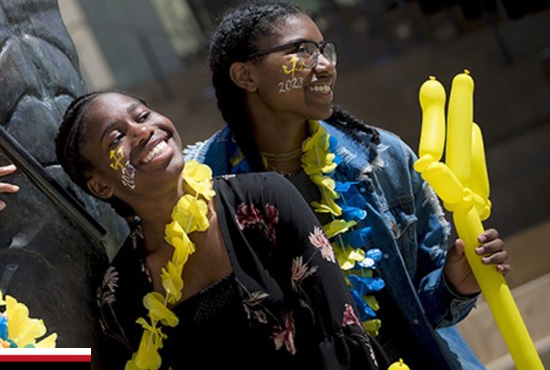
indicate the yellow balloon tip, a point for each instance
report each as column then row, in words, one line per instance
column 432, row 78
column 400, row 365
column 466, row 71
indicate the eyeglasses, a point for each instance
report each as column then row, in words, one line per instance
column 307, row 51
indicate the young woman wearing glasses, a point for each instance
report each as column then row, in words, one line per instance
column 274, row 74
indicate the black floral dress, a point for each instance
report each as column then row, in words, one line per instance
column 284, row 306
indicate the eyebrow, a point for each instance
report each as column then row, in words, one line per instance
column 132, row 107
column 107, row 130
column 295, row 42
column 300, row 40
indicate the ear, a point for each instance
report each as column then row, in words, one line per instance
column 242, row 75
column 99, row 188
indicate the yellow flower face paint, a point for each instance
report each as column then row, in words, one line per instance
column 295, row 65
column 116, row 157
column 128, row 171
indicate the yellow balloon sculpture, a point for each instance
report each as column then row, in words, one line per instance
column 399, row 365
column 463, row 185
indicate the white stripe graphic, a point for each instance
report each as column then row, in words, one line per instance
column 46, row 351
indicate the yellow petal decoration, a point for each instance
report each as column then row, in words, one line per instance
column 199, row 177
column 131, row 364
column 172, row 282
column 348, row 256
column 173, row 231
column 147, row 356
column 23, row 330
column 48, row 342
column 372, row 326
column 190, row 214
column 326, row 183
column 156, row 332
column 328, row 195
column 235, row 160
column 317, row 160
column 316, row 157
column 337, row 226
column 372, row 302
column 158, row 311
column 327, row 205
column 183, row 248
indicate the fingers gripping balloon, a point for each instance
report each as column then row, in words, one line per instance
column 463, row 185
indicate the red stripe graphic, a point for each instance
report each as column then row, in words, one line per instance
column 45, row 358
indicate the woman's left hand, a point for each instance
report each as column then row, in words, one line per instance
column 458, row 271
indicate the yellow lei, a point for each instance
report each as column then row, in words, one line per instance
column 190, row 214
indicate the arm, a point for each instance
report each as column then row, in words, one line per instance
column 423, row 242
column 447, row 289
column 443, row 305
column 6, row 187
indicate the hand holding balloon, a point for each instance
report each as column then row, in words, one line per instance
column 463, row 185
column 458, row 271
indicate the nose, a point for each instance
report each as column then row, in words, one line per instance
column 140, row 133
column 324, row 64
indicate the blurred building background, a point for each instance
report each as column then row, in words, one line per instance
column 387, row 48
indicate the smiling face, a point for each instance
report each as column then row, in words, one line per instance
column 284, row 87
column 134, row 151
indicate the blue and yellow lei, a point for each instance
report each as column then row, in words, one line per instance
column 347, row 230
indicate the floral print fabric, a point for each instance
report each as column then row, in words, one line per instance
column 286, row 304
column 248, row 216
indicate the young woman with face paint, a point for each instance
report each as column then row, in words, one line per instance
column 233, row 272
column 274, row 74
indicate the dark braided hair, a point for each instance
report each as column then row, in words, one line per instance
column 68, row 140
column 68, row 144
column 351, row 125
column 236, row 37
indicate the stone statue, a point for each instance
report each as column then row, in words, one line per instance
column 46, row 260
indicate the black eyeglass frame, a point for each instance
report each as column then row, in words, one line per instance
column 294, row 45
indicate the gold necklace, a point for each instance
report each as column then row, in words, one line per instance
column 282, row 156
column 270, row 167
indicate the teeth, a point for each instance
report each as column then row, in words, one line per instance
column 325, row 89
column 158, row 149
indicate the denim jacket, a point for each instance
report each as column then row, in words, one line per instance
column 408, row 226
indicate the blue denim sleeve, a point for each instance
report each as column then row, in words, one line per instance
column 444, row 307
column 212, row 152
